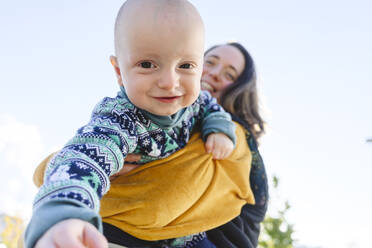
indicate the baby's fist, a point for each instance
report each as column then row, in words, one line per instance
column 219, row 145
column 72, row 233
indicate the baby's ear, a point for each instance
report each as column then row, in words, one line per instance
column 114, row 63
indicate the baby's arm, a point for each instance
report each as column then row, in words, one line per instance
column 218, row 131
column 78, row 176
column 46, row 216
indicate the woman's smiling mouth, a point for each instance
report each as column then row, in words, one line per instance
column 207, row 86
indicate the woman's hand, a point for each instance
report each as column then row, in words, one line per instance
column 127, row 167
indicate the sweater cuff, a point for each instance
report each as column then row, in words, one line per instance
column 54, row 211
column 224, row 126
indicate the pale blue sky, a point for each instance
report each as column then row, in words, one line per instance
column 313, row 60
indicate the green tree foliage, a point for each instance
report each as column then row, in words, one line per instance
column 276, row 231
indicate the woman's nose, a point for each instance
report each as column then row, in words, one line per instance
column 215, row 72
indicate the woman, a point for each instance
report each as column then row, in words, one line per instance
column 229, row 74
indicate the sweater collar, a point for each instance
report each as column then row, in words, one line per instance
column 167, row 121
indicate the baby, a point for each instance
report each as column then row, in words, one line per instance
column 159, row 48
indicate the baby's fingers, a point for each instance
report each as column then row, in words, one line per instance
column 57, row 237
column 72, row 233
column 64, row 241
column 222, row 151
column 92, row 238
column 45, row 243
column 217, row 151
column 209, row 144
column 226, row 153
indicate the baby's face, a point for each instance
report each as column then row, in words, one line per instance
column 161, row 66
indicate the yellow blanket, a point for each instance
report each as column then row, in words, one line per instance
column 183, row 194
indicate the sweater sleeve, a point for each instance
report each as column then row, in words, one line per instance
column 78, row 176
column 214, row 118
column 54, row 211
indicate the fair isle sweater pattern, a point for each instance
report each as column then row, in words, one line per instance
column 80, row 171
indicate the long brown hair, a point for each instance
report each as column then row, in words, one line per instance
column 241, row 97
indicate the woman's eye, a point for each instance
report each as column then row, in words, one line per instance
column 146, row 64
column 186, row 66
column 208, row 62
column 230, row 77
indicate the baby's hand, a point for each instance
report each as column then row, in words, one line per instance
column 72, row 233
column 219, row 145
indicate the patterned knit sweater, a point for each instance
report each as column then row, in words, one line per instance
column 79, row 174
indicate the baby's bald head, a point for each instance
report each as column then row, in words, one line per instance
column 161, row 17
column 159, row 46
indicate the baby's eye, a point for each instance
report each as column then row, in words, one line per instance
column 186, row 66
column 146, row 64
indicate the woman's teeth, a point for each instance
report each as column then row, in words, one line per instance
column 206, row 86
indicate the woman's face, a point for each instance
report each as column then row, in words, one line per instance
column 222, row 66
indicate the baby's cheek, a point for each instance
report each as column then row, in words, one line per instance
column 191, row 98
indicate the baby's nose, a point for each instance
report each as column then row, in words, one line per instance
column 168, row 80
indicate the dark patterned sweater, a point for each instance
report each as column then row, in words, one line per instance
column 78, row 176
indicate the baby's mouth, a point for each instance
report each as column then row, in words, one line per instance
column 207, row 86
column 167, row 99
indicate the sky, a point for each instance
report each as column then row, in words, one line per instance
column 313, row 60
